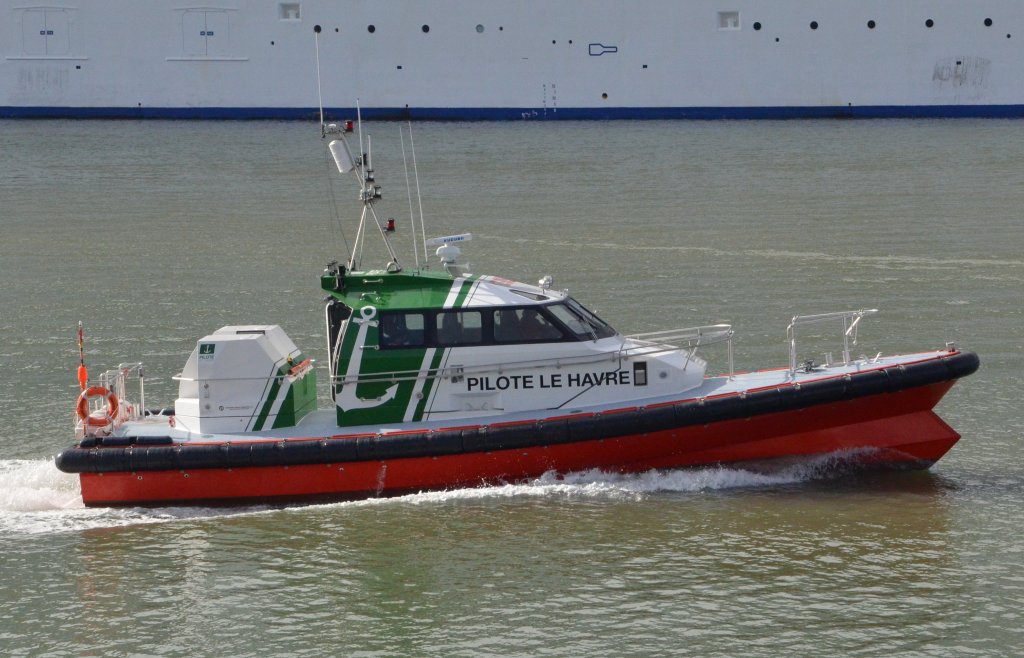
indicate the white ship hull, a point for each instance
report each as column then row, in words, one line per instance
column 462, row 59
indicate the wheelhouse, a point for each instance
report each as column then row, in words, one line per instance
column 422, row 345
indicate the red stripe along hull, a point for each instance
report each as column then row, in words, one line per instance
column 897, row 428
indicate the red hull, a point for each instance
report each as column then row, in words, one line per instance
column 897, row 428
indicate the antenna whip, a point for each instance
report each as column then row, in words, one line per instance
column 83, row 374
column 319, row 92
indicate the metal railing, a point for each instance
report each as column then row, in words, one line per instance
column 848, row 320
column 116, row 381
column 691, row 338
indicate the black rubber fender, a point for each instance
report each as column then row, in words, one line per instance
column 150, row 458
column 687, row 413
column 73, row 460
column 199, row 456
column 392, row 446
column 717, row 409
column 306, row 451
column 922, row 374
column 448, row 442
column 117, row 441
column 154, row 441
column 552, row 432
column 823, row 391
column 870, row 382
column 238, row 455
column 764, row 401
column 445, row 443
column 657, row 419
column 618, row 423
column 587, row 428
column 263, row 453
column 339, row 450
column 962, row 364
column 104, row 460
column 500, row 437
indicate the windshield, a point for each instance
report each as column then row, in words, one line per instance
column 584, row 324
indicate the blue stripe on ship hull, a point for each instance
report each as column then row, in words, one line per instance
column 517, row 114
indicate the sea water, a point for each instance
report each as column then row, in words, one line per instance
column 157, row 233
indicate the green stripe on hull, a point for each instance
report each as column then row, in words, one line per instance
column 440, row 354
column 460, row 298
column 428, row 385
column 370, row 402
column 268, row 404
column 299, row 400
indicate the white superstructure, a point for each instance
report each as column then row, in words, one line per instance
column 480, row 59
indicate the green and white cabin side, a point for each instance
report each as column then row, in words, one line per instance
column 433, row 346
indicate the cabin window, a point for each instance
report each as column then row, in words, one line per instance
column 548, row 323
column 460, row 328
column 601, row 328
column 402, row 330
column 584, row 324
column 574, row 322
column 523, row 325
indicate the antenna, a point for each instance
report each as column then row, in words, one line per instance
column 359, row 122
column 419, row 199
column 83, row 374
column 408, row 191
column 319, row 92
column 367, row 163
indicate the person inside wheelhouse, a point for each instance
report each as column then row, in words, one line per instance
column 558, row 322
column 402, row 330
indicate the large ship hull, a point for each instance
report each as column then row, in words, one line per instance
column 879, row 417
column 462, row 60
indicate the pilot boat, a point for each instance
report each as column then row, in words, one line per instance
column 441, row 378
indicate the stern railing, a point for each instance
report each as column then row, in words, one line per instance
column 117, row 381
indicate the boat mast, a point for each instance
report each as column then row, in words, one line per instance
column 419, row 198
column 319, row 92
column 368, row 190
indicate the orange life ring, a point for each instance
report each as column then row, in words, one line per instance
column 110, row 414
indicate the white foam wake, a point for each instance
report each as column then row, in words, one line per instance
column 616, row 486
column 36, row 485
column 37, row 498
